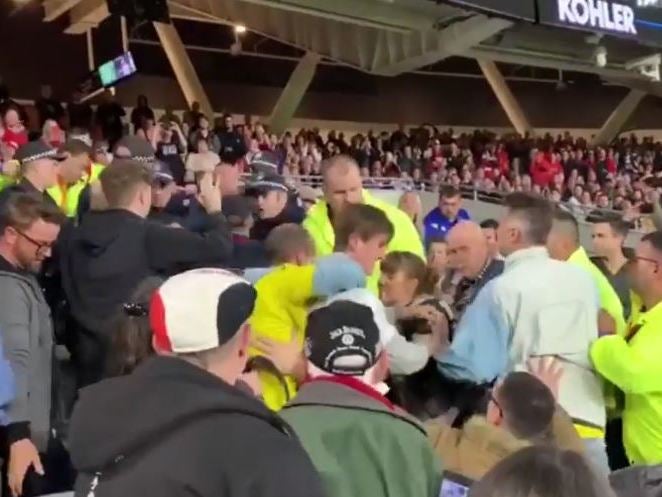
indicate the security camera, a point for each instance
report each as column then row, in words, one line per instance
column 600, row 55
column 648, row 66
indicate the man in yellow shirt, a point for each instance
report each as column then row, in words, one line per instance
column 342, row 186
column 632, row 362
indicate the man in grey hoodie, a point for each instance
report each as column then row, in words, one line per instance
column 28, row 229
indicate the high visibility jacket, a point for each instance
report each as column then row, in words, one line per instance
column 68, row 196
column 405, row 238
column 632, row 363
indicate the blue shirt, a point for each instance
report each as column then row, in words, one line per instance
column 436, row 224
column 7, row 387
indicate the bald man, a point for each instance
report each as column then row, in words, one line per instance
column 469, row 255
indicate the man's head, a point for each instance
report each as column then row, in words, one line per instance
column 450, row 202
column 127, row 184
column 363, row 232
column 227, row 174
column 563, row 239
column 290, row 244
column 272, row 194
column 468, row 252
column 342, row 184
column 527, row 223
column 490, row 227
column 238, row 210
column 76, row 157
column 609, row 234
column 228, row 121
column 438, row 254
column 163, row 185
column 211, row 330
column 28, row 229
column 524, row 406
column 343, row 339
column 39, row 164
column 646, row 271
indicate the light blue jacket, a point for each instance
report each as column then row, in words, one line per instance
column 7, row 387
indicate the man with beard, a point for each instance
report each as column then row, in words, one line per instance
column 28, row 229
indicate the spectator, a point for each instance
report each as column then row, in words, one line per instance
column 200, row 366
column 192, row 117
column 109, row 117
column 277, row 204
column 231, row 142
column 563, row 244
column 52, row 134
column 490, row 227
column 521, row 412
column 14, row 129
column 538, row 307
column 342, row 187
column 105, row 257
column 469, row 255
column 131, row 343
column 438, row 261
column 410, row 204
column 141, row 114
column 36, row 461
column 169, row 118
column 631, row 361
column 203, row 160
column 48, row 107
column 38, row 172
column 247, row 253
column 441, row 219
column 609, row 235
column 541, row 472
column 170, row 145
column 228, row 173
column 202, row 131
column 342, row 418
column 309, row 196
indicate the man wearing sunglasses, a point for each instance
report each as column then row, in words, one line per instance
column 29, row 227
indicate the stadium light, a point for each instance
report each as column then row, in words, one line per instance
column 240, row 29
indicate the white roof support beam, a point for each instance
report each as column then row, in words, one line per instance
column 410, row 52
column 508, row 102
column 55, row 8
column 619, row 118
column 86, row 15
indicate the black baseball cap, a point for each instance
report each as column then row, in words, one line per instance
column 343, row 338
column 237, row 208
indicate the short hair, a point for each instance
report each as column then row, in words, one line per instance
column 542, row 472
column 655, row 239
column 490, row 224
column 121, row 180
column 285, row 241
column 437, row 239
column 363, row 220
column 535, row 211
column 448, row 191
column 413, row 267
column 615, row 222
column 76, row 147
column 344, row 162
column 528, row 406
column 22, row 210
column 565, row 221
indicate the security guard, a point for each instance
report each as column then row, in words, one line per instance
column 75, row 173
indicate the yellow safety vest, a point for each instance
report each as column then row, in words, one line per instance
column 68, row 196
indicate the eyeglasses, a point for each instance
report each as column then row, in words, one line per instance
column 646, row 259
column 42, row 247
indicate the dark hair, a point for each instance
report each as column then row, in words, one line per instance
column 448, row 191
column 363, row 220
column 615, row 222
column 132, row 341
column 528, row 406
column 540, row 471
column 437, row 239
column 121, row 181
column 414, row 267
column 21, row 210
column 655, row 239
column 564, row 220
column 76, row 148
column 492, row 224
column 287, row 240
column 535, row 211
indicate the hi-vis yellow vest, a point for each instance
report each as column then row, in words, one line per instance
column 68, row 196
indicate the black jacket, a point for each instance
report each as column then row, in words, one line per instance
column 104, row 258
column 292, row 213
column 214, row 441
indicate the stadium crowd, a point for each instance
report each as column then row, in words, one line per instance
column 179, row 316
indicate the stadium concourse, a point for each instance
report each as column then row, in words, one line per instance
column 193, row 305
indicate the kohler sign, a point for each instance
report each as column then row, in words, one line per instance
column 598, row 15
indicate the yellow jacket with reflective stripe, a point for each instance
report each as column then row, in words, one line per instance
column 406, row 237
column 68, row 196
column 633, row 364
